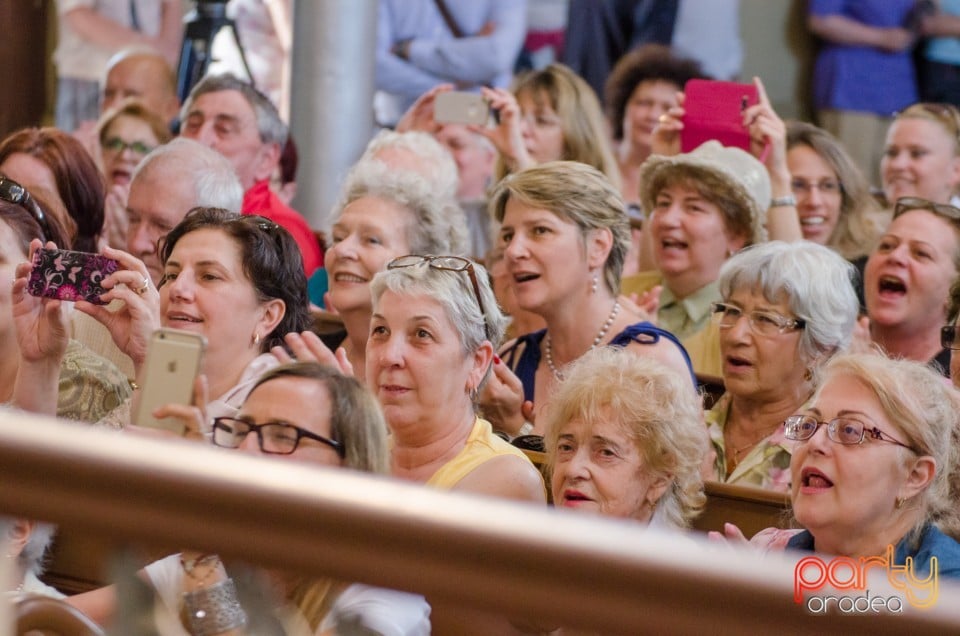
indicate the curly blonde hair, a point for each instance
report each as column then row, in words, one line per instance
column 655, row 405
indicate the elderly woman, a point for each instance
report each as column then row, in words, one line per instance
column 382, row 214
column 786, row 309
column 301, row 412
column 26, row 543
column 56, row 167
column 922, row 154
column 431, row 348
column 236, row 280
column 89, row 387
column 641, row 87
column 834, row 202
column 625, row 439
column 550, row 115
column 127, row 133
column 873, row 460
column 907, row 280
column 704, row 206
column 564, row 234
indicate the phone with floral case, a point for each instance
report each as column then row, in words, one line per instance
column 69, row 275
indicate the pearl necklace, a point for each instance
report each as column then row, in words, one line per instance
column 603, row 332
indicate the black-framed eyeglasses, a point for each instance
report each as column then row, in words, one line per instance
column 13, row 192
column 949, row 338
column 275, row 438
column 842, row 430
column 829, row 187
column 763, row 323
column 115, row 144
column 447, row 263
column 906, row 204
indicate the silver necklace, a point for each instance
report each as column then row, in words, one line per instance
column 603, row 332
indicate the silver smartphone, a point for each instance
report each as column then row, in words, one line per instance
column 173, row 362
column 455, row 107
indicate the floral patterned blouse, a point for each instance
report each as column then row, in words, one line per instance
column 767, row 465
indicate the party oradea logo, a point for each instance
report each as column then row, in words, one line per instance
column 847, row 577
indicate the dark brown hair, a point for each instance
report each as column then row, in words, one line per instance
column 79, row 182
column 271, row 260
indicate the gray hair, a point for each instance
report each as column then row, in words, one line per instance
column 269, row 124
column 657, row 408
column 439, row 224
column 916, row 400
column 215, row 183
column 454, row 291
column 31, row 558
column 432, row 161
column 816, row 283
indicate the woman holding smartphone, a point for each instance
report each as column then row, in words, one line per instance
column 235, row 280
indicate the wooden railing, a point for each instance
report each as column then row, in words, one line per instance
column 546, row 565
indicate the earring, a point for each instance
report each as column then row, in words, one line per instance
column 808, row 375
column 898, row 504
column 593, row 286
column 474, row 394
column 256, row 338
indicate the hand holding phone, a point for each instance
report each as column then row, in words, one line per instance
column 172, row 365
column 714, row 110
column 454, row 107
column 69, row 275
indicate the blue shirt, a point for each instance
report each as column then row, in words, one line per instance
column 863, row 78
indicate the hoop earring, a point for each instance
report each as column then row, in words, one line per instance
column 898, row 504
column 256, row 338
column 473, row 394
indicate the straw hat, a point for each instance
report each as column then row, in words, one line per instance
column 746, row 177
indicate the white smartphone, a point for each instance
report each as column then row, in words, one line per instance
column 173, row 362
column 455, row 107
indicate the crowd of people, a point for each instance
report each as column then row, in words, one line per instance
column 558, row 284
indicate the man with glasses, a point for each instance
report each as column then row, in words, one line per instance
column 168, row 183
column 238, row 121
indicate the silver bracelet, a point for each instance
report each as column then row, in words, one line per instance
column 784, row 202
column 213, row 610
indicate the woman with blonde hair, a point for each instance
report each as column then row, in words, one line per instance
column 922, row 154
column 550, row 115
column 834, row 202
column 625, row 438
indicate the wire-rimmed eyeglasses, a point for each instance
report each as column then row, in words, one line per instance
column 842, row 430
column 447, row 263
column 275, row 438
column 764, row 323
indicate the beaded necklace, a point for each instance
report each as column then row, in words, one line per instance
column 603, row 332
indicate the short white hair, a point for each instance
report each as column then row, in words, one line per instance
column 435, row 162
column 215, row 182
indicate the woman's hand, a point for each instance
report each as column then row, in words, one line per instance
column 132, row 325
column 768, row 137
column 420, row 115
column 192, row 416
column 666, row 135
column 732, row 535
column 41, row 323
column 502, row 400
column 506, row 136
column 308, row 347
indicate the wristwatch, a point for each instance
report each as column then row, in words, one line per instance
column 784, row 202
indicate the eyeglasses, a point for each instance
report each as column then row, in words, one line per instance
column 841, row 430
column 827, row 187
column 115, row 144
column 906, row 204
column 450, row 264
column 13, row 192
column 763, row 323
column 949, row 338
column 276, row 438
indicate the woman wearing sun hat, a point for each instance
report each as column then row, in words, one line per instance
column 703, row 207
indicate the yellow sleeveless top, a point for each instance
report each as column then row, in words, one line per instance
column 482, row 445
